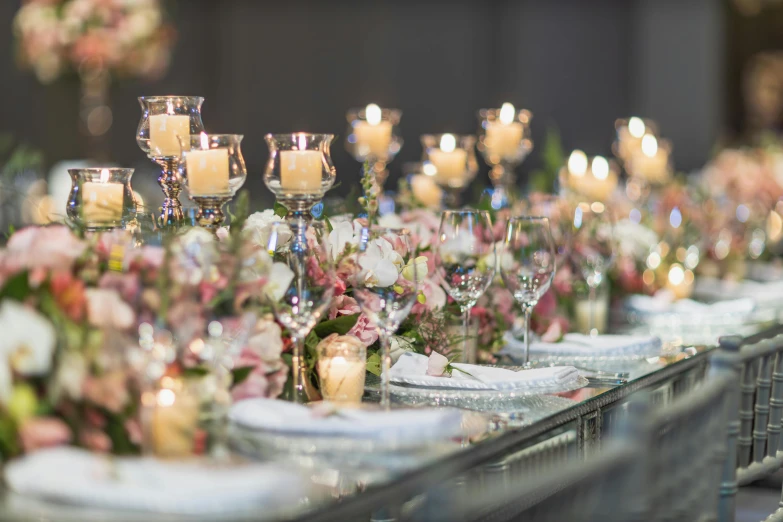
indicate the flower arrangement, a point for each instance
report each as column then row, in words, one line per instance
column 126, row 38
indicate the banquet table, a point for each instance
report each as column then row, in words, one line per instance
column 398, row 487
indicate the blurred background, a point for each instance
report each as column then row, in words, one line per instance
column 708, row 71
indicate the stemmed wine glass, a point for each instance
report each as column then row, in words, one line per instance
column 592, row 250
column 527, row 264
column 300, row 286
column 386, row 286
column 465, row 261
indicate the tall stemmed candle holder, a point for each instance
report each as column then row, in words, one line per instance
column 505, row 141
column 452, row 161
column 372, row 137
column 101, row 198
column 214, row 170
column 299, row 171
column 163, row 120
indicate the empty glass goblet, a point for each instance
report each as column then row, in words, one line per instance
column 465, row 261
column 300, row 286
column 592, row 249
column 527, row 264
column 386, row 286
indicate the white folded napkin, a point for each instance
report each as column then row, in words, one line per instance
column 662, row 303
column 411, row 368
column 766, row 293
column 77, row 476
column 576, row 344
column 286, row 417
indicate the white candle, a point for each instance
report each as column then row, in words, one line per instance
column 449, row 161
column 207, row 170
column 651, row 162
column 630, row 137
column 373, row 135
column 597, row 181
column 102, row 201
column 426, row 191
column 300, row 171
column 174, row 423
column 679, row 281
column 582, row 311
column 342, row 380
column 164, row 129
column 504, row 136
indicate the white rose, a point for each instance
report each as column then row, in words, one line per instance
column 28, row 339
column 280, row 277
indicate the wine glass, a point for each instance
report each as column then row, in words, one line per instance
column 527, row 264
column 386, row 286
column 300, row 286
column 465, row 261
column 592, row 249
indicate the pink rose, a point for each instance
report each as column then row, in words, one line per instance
column 436, row 364
column 108, row 391
column 106, row 309
column 554, row 333
column 43, row 432
column 41, row 248
column 343, row 305
column 364, row 330
column 261, row 383
column 546, row 305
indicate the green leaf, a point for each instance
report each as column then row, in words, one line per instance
column 341, row 325
column 280, row 210
column 238, row 375
column 18, row 287
column 374, row 364
column 196, row 371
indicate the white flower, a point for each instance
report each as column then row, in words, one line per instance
column 380, row 264
column 343, row 233
column 267, row 341
column 280, row 277
column 436, row 365
column 28, row 339
column 456, row 249
column 399, row 345
column 257, row 228
column 634, row 239
column 417, row 267
column 391, row 220
column 106, row 309
column 6, row 386
column 194, row 253
column 497, row 259
column 71, row 372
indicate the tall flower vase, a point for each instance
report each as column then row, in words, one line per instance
column 95, row 114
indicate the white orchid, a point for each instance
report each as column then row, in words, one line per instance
column 398, row 346
column 343, row 234
column 280, row 277
column 380, row 264
column 416, row 269
column 28, row 339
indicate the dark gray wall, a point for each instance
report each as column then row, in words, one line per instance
column 269, row 66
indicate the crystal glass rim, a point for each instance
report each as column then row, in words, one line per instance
column 387, row 114
column 528, row 218
column 99, row 170
column 463, row 211
column 484, row 113
column 162, row 98
column 279, row 136
column 237, row 137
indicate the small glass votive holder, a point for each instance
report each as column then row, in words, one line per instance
column 373, row 136
column 170, row 420
column 451, row 159
column 214, row 169
column 300, row 170
column 342, row 366
column 101, row 198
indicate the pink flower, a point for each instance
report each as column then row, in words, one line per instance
column 42, row 248
column 106, row 309
column 95, row 440
column 127, row 284
column 343, row 305
column 436, row 364
column 261, row 383
column 562, row 280
column 364, row 330
column 109, row 391
column 69, row 294
column 546, row 305
column 43, row 432
column 554, row 333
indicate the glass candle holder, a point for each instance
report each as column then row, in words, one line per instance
column 342, row 365
column 630, row 132
column 505, row 141
column 213, row 169
column 594, row 179
column 299, row 171
column 163, row 120
column 451, row 159
column 101, row 199
column 372, row 136
column 170, row 419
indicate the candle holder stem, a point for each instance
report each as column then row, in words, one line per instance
column 210, row 212
column 502, row 177
column 171, row 213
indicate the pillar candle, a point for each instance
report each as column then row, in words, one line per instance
column 503, row 139
column 174, row 423
column 164, row 129
column 342, row 380
column 450, row 165
column 374, row 138
column 207, row 172
column 582, row 315
column 101, row 202
column 426, row 191
column 300, row 171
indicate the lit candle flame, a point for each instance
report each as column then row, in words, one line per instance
column 429, row 169
column 166, row 397
column 204, row 141
column 577, row 163
column 301, row 140
column 373, row 114
column 649, row 145
column 448, row 143
column 600, row 167
column 636, row 127
column 169, row 107
column 105, row 175
column 507, row 113
column 676, row 274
